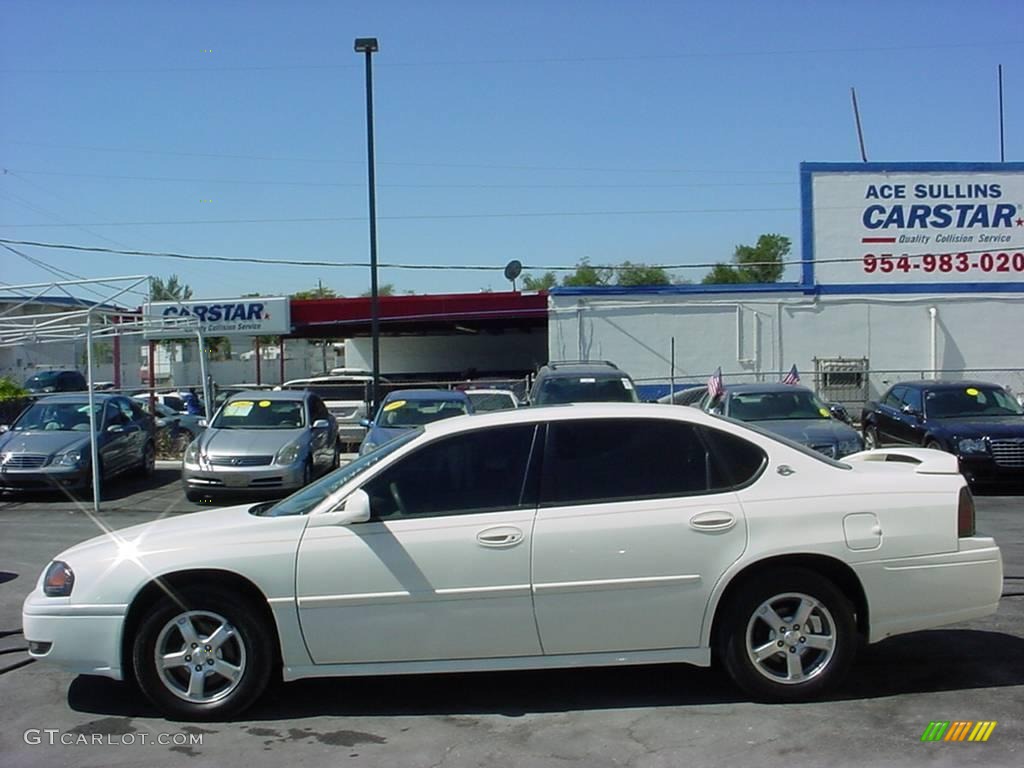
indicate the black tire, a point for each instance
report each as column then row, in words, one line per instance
column 744, row 629
column 935, row 445
column 204, row 609
column 148, row 465
column 871, row 440
column 307, row 473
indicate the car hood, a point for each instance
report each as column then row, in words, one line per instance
column 236, row 442
column 996, row 426
column 810, row 431
column 42, row 441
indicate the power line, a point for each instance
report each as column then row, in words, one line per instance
column 521, row 60
column 455, row 267
column 321, row 161
column 417, row 217
column 361, row 185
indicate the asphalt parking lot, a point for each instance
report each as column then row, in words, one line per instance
column 641, row 716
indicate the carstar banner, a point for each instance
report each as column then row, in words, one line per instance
column 913, row 223
column 221, row 317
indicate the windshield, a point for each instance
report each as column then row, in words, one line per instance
column 308, row 498
column 401, row 414
column 586, row 389
column 764, row 406
column 970, row 402
column 59, row 417
column 490, row 401
column 45, row 379
column 260, row 414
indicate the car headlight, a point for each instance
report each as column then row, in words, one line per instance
column 972, row 445
column 366, row 447
column 72, row 458
column 846, row 447
column 289, row 454
column 192, row 453
column 59, row 580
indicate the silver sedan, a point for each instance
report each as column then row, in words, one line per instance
column 268, row 442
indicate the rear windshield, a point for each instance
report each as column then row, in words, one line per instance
column 770, row 406
column 586, row 389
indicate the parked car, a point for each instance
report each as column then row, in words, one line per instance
column 48, row 446
column 686, row 396
column 405, row 409
column 980, row 422
column 45, row 382
column 181, row 428
column 346, row 398
column 262, row 442
column 173, row 400
column 582, row 382
column 789, row 410
column 491, row 399
column 447, row 549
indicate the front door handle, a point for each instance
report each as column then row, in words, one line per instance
column 500, row 536
column 714, row 520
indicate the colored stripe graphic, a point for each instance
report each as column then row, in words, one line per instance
column 878, row 239
column 958, row 730
column 982, row 730
column 935, row 731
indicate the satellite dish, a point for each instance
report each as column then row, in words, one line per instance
column 513, row 269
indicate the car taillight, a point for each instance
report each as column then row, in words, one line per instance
column 965, row 514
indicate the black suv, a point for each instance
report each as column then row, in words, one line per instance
column 46, row 382
column 582, row 381
column 979, row 422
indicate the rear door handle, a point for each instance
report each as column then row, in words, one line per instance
column 713, row 520
column 500, row 536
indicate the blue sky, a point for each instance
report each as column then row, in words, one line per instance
column 659, row 132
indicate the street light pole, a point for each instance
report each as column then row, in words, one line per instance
column 368, row 46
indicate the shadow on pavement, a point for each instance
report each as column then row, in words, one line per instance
column 922, row 662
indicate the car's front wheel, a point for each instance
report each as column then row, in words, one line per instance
column 203, row 654
column 871, row 441
column 788, row 636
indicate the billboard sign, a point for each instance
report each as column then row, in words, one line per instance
column 925, row 225
column 219, row 317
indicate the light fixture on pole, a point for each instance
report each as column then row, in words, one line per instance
column 369, row 46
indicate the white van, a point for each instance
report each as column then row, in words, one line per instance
column 346, row 398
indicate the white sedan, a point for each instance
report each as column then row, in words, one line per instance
column 583, row 535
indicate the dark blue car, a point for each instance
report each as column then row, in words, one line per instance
column 406, row 409
column 981, row 423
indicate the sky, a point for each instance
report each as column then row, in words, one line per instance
column 663, row 132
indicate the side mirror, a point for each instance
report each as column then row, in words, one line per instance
column 365, row 423
column 115, row 429
column 161, row 423
column 355, row 509
column 5, row 428
column 910, row 411
column 321, row 424
column 203, row 423
column 838, row 411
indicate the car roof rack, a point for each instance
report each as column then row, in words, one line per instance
column 555, row 364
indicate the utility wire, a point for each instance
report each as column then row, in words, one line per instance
column 456, row 267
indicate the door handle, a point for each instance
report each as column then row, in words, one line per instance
column 713, row 520
column 501, row 536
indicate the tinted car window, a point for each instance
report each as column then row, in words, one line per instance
column 174, row 402
column 895, row 397
column 912, row 397
column 734, row 462
column 478, row 471
column 319, row 409
column 621, row 459
column 970, row 402
column 585, row 389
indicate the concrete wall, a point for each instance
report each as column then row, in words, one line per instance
column 759, row 336
column 456, row 354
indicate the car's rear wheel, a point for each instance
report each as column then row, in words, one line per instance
column 789, row 635
column 203, row 656
column 871, row 441
column 935, row 445
column 148, row 459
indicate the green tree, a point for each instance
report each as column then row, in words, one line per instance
column 759, row 263
column 388, row 289
column 545, row 282
column 316, row 293
column 586, row 274
column 640, row 274
column 171, row 290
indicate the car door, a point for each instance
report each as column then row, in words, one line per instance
column 633, row 530
column 908, row 424
column 442, row 568
column 888, row 414
column 324, row 439
column 115, row 439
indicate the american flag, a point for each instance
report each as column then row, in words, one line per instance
column 715, row 387
column 792, row 377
